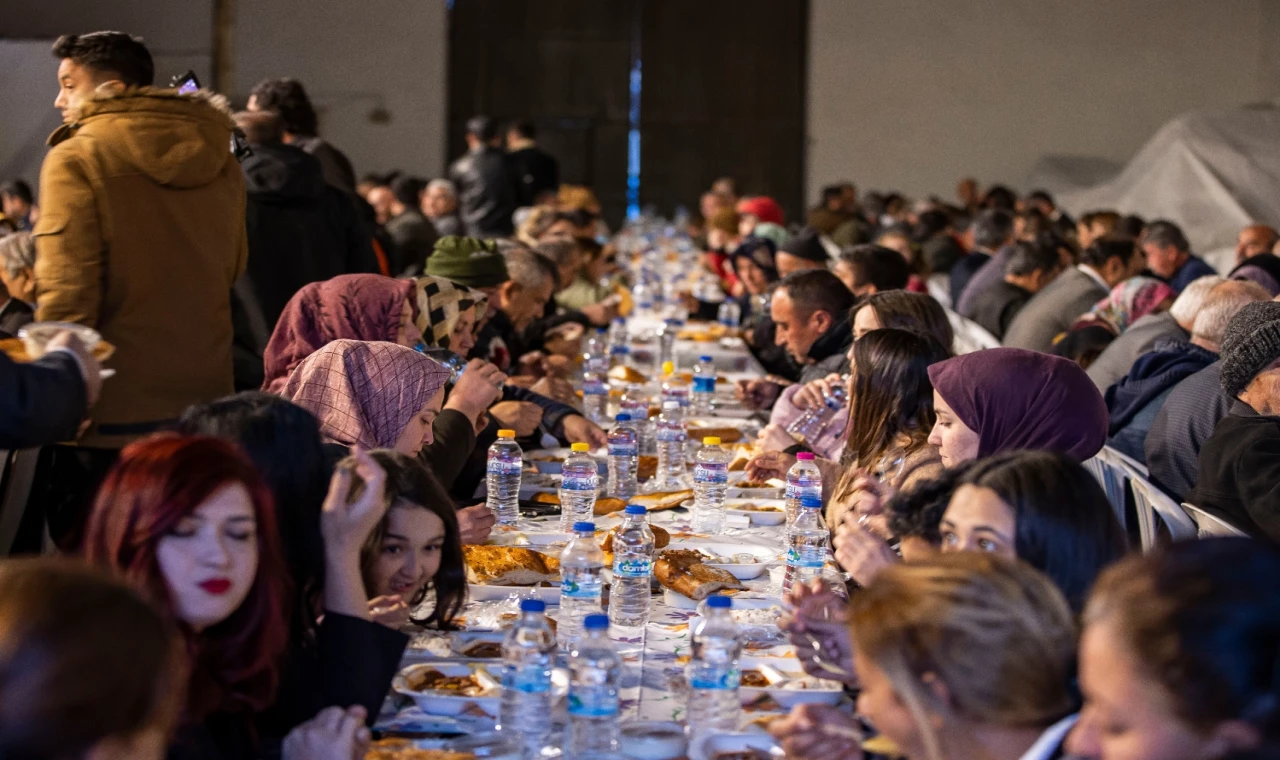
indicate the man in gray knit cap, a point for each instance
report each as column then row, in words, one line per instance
column 1240, row 463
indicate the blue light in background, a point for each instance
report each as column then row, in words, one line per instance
column 633, row 120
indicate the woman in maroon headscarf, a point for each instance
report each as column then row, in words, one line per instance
column 1009, row 399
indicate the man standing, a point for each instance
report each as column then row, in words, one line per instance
column 1169, row 255
column 537, row 172
column 17, row 202
column 486, row 190
column 288, row 98
column 141, row 235
column 440, row 206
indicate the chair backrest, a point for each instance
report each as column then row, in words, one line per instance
column 17, row 475
column 1114, row 480
column 970, row 336
column 1155, row 507
column 1210, row 525
column 1118, row 458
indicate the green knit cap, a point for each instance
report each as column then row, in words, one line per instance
column 468, row 261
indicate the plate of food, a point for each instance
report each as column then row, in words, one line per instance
column 741, row 487
column 735, row 746
column 605, row 505
column 551, row 461
column 478, row 645
column 449, row 688
column 785, row 682
column 743, row 561
column 683, row 572
column 727, row 430
column 499, row 572
column 406, row 749
column 759, row 511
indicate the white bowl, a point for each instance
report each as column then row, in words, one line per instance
column 37, row 335
column 743, row 600
column 707, row 747
column 444, row 703
column 652, row 740
column 461, row 641
column 781, row 671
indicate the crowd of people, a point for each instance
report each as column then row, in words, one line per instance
column 282, row 472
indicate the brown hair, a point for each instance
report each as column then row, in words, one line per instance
column 913, row 312
column 996, row 633
column 83, row 658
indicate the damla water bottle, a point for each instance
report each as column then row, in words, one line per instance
column 704, row 385
column 807, row 548
column 528, row 653
column 594, row 672
column 671, row 437
column 595, row 377
column 635, row 402
column 803, row 479
column 619, row 348
column 808, row 426
column 503, row 477
column 624, row 458
column 667, row 341
column 713, row 673
column 632, row 570
column 581, row 579
column 674, row 388
column 710, row 482
column 579, row 479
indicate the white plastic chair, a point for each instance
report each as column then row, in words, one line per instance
column 1114, row 479
column 970, row 336
column 1155, row 507
column 1209, row 525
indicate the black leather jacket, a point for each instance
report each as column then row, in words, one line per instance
column 486, row 192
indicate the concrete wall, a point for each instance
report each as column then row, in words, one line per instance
column 914, row 94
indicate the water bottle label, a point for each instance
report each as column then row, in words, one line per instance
column 586, row 587
column 593, row 701
column 715, row 679
column 670, row 436
column 587, row 483
column 713, row 474
column 594, row 388
column 806, row 558
column 623, row 450
column 632, row 567
column 530, row 679
column 497, row 466
column 704, row 385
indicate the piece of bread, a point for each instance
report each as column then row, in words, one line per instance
column 739, row 464
column 660, row 538
column 15, row 349
column 683, row 571
column 647, row 467
column 725, row 434
column 627, row 374
column 608, row 505
column 546, row 497
column 663, row 500
column 403, row 749
column 509, row 566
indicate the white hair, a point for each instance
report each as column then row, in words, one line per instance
column 17, row 252
column 1188, row 304
column 528, row 269
column 443, row 184
column 1223, row 302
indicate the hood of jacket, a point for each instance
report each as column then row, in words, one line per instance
column 834, row 341
column 282, row 173
column 180, row 141
column 1170, row 362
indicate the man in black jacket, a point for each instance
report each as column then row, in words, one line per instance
column 300, row 230
column 486, row 188
column 289, row 99
column 412, row 234
column 1240, row 463
column 536, row 171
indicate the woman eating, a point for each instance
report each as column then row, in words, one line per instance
column 965, row 656
column 1180, row 655
column 414, row 549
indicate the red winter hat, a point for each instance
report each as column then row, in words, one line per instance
column 762, row 207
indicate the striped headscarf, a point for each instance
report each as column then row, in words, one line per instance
column 439, row 303
column 1128, row 302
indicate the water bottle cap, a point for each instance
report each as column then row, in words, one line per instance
column 635, row 509
column 670, row 404
column 704, row 358
column 811, row 502
column 584, row 527
column 599, row 331
column 805, row 456
column 668, row 368
column 719, row 602
column 506, row 434
column 595, row 622
column 533, row 605
column 619, row 321
column 576, row 447
column 711, row 440
column 624, row 417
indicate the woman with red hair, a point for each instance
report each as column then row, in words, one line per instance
column 189, row 522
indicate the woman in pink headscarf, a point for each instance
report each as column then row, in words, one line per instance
column 373, row 395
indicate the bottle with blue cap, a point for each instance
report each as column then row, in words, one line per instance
column 704, row 385
column 624, row 458
column 633, row 547
column 619, row 348
column 594, row 671
column 713, row 671
column 581, row 583
column 595, row 377
column 807, row 544
column 528, row 654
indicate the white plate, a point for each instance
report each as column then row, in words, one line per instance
column 486, row 593
column 534, row 540
column 778, row 670
column 707, row 747
column 733, row 507
column 461, row 641
column 743, row 600
column 443, row 703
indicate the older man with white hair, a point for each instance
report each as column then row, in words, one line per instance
column 440, row 204
column 17, row 282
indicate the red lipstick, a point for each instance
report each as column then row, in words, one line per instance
column 216, row 586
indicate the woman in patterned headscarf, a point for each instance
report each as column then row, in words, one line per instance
column 447, row 314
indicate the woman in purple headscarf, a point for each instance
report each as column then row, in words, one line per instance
column 1009, row 399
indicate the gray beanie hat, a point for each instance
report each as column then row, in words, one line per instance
column 1250, row 343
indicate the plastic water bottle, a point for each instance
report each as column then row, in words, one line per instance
column 807, row 544
column 503, row 477
column 710, row 482
column 671, row 437
column 579, row 480
column 581, row 582
column 730, row 314
column 624, row 458
column 596, row 348
column 642, row 294
column 635, row 402
column 528, row 653
column 713, row 673
column 632, row 570
column 667, row 341
column 808, row 426
column 594, row 671
column 704, row 385
column 674, row 388
column 803, row 479
column 595, row 377
column 619, row 345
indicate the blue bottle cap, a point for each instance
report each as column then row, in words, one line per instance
column 635, row 509
column 719, row 602
column 595, row 622
column 599, row 331
column 624, row 417
column 584, row 527
column 812, row 502
column 704, row 358
column 619, row 321
column 533, row 605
